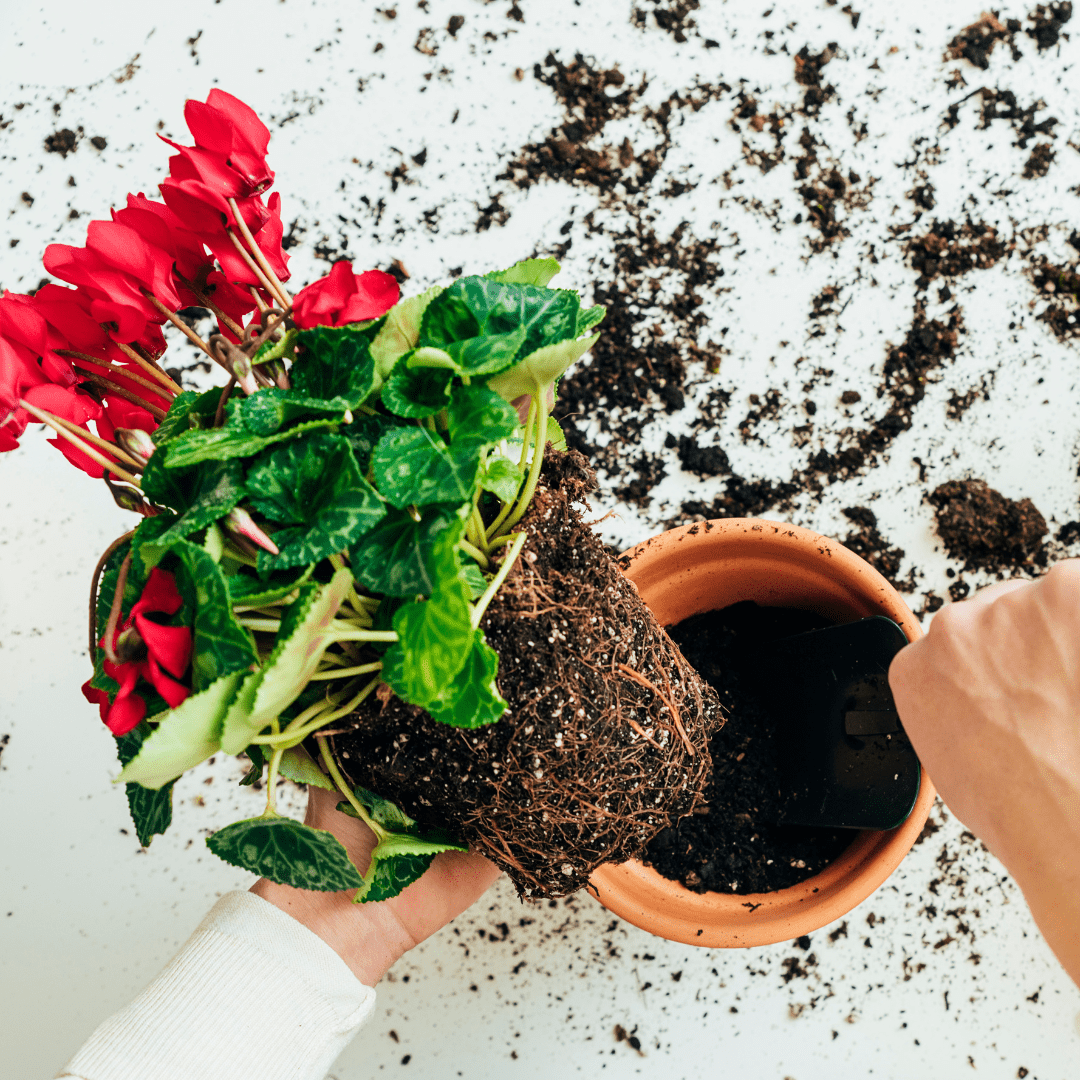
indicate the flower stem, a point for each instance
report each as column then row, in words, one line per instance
column 339, row 780
column 495, row 528
column 496, row 582
column 347, row 672
column 475, row 553
column 179, row 324
column 85, row 447
column 258, row 253
column 254, row 267
column 115, row 609
column 271, row 783
column 149, row 367
column 156, row 387
column 98, row 441
column 525, row 497
column 94, row 586
column 109, row 387
column 366, row 635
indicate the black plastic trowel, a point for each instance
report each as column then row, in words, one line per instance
column 844, row 756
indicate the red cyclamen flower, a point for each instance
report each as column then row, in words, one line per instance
column 229, row 155
column 162, row 655
column 344, row 297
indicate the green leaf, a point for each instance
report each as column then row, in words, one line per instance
column 416, row 392
column 282, row 850
column 394, row 866
column 151, row 811
column 400, row 857
column 539, row 370
column 473, row 699
column 214, row 542
column 183, row 737
column 363, row 435
column 297, row 764
column 315, row 489
column 303, row 637
column 502, row 477
column 232, row 441
column 272, row 409
column 435, row 637
column 527, row 272
column 414, row 467
column 589, row 318
column 475, row 579
column 143, row 561
column 258, row 763
column 475, row 306
column 200, row 495
column 188, row 410
column 273, row 350
column 482, row 355
column 401, row 331
column 336, row 362
column 251, row 591
column 394, row 558
column 220, row 645
column 478, row 415
column 555, row 434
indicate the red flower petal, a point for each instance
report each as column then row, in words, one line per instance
column 376, row 293
column 96, row 697
column 169, row 646
column 319, row 303
column 173, row 692
column 125, row 714
column 160, row 594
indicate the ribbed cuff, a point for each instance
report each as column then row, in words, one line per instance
column 253, row 995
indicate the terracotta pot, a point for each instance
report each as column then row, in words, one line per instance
column 708, row 566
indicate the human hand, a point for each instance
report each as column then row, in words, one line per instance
column 990, row 699
column 371, row 937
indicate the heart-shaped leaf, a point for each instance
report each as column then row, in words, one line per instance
column 282, row 850
column 414, row 467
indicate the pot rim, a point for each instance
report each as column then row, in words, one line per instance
column 640, row 895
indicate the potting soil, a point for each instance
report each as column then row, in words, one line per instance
column 736, row 841
column 605, row 738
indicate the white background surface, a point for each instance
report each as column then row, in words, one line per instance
column 941, row 972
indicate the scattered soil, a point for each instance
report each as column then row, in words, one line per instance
column 734, row 842
column 1059, row 287
column 62, row 142
column 866, row 541
column 986, row 530
column 593, row 756
column 976, row 42
column 950, row 250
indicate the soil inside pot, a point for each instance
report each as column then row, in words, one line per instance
column 734, row 843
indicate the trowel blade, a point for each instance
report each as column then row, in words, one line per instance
column 844, row 756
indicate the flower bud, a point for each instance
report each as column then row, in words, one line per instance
column 240, row 523
column 130, row 646
column 136, row 442
column 128, row 499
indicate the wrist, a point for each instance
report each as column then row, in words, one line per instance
column 368, row 937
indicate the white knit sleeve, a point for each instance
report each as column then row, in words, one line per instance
column 253, row 995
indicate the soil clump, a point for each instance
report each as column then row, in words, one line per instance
column 986, row 530
column 734, row 842
column 606, row 737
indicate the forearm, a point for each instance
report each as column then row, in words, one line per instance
column 217, row 1008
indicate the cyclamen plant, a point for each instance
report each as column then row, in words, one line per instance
column 330, row 524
